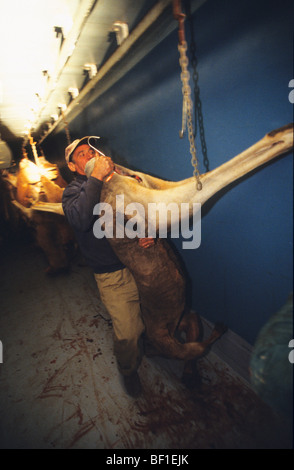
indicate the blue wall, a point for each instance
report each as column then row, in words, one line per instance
column 242, row 272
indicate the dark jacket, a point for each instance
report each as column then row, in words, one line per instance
column 78, row 201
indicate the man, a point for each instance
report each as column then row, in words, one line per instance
column 118, row 290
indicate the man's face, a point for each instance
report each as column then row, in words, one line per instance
column 82, row 154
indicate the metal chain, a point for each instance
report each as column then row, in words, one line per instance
column 197, row 101
column 187, row 110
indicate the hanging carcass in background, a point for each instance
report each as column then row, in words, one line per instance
column 29, row 184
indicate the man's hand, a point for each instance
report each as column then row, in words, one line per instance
column 146, row 242
column 103, row 166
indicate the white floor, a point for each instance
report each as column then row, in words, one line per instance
column 60, row 389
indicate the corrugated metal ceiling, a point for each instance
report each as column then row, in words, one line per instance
column 53, row 47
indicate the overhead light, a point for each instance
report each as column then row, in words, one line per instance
column 74, row 92
column 46, row 74
column 28, row 127
column 59, row 34
column 31, row 116
column 91, row 69
column 121, row 30
column 62, row 107
column 36, row 103
column 63, row 17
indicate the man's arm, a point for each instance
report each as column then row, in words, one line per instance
column 78, row 202
column 103, row 166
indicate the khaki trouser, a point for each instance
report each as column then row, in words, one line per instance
column 119, row 293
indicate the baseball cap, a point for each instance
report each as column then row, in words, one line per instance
column 71, row 148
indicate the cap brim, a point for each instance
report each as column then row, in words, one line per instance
column 80, row 142
column 83, row 140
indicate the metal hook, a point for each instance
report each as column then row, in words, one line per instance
column 92, row 146
column 107, row 178
column 180, row 17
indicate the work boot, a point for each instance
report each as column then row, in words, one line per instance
column 133, row 384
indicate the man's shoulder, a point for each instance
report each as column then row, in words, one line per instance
column 71, row 188
column 75, row 187
column 75, row 183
